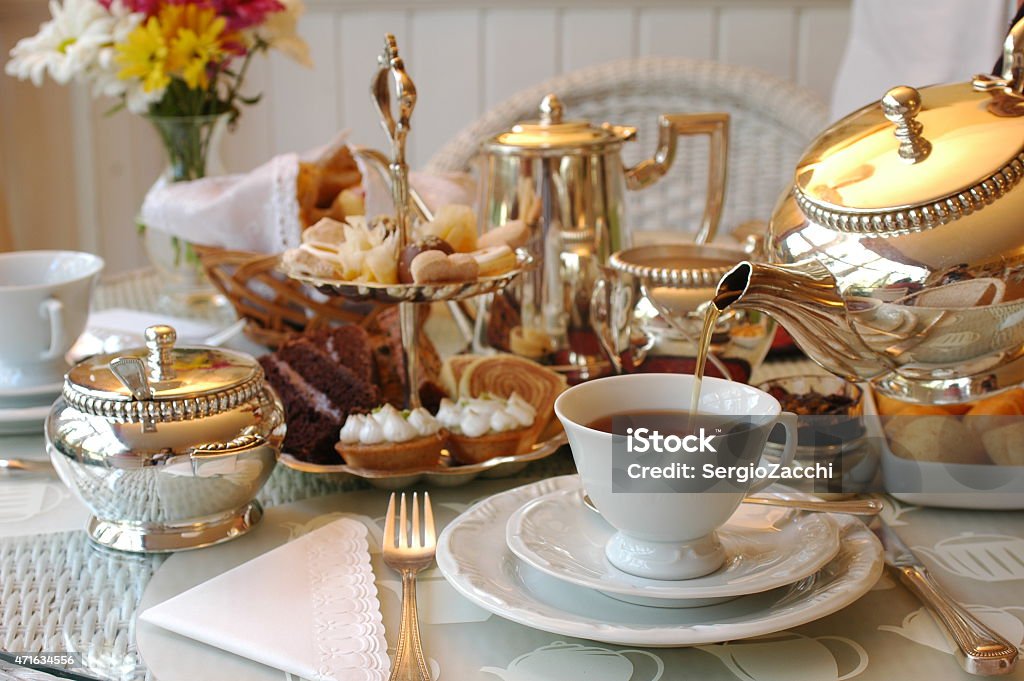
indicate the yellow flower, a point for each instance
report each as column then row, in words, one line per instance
column 197, row 42
column 144, row 56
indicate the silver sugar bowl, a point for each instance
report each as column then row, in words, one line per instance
column 167, row 446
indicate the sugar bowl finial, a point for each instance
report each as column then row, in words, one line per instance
column 901, row 105
column 160, row 341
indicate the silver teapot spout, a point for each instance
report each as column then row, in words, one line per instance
column 802, row 297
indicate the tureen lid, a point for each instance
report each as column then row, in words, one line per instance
column 915, row 159
column 162, row 382
column 551, row 133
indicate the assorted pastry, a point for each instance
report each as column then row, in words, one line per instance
column 444, row 250
column 342, row 391
column 329, row 186
column 987, row 431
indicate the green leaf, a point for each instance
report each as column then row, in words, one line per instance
column 120, row 106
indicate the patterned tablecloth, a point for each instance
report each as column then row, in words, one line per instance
column 57, row 593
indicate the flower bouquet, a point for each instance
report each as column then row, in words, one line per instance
column 180, row 63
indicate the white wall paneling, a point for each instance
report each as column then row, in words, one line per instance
column 686, row 32
column 520, row 49
column 74, row 178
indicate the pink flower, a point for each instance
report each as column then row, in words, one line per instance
column 242, row 14
column 147, row 7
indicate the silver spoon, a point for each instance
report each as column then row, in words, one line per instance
column 866, row 507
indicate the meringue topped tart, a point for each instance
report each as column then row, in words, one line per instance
column 391, row 440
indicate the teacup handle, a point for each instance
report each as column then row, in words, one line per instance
column 788, row 421
column 53, row 310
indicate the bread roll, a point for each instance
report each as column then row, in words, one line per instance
column 1005, row 445
column 941, row 439
column 993, row 412
column 909, row 413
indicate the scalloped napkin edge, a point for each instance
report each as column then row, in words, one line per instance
column 258, row 609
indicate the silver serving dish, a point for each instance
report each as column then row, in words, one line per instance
column 166, row 446
column 677, row 282
column 414, row 293
column 447, row 474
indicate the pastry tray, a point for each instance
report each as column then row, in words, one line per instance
column 447, row 474
column 415, row 293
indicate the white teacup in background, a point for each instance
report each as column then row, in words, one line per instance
column 666, row 535
column 44, row 298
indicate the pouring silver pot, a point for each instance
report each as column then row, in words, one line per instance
column 565, row 180
column 898, row 255
column 166, row 446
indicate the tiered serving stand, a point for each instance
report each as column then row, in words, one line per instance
column 391, row 74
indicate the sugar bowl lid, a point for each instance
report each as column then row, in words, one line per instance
column 161, row 382
column 915, row 159
column 551, row 133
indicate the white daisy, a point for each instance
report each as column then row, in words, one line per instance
column 105, row 70
column 67, row 46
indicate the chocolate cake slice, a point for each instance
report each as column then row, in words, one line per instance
column 387, row 350
column 319, row 392
column 349, row 346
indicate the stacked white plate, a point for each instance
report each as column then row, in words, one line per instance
column 23, row 409
column 535, row 555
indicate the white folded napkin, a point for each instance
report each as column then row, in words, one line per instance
column 309, row 608
column 259, row 211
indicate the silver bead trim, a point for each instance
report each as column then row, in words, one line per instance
column 672, row 277
column 919, row 218
column 164, row 411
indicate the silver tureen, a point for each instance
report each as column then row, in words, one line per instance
column 167, row 446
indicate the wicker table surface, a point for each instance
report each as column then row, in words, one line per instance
column 58, row 593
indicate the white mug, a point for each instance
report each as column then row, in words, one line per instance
column 44, row 297
column 668, row 535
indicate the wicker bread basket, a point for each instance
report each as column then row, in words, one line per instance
column 274, row 306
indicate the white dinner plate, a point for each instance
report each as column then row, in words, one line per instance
column 23, row 420
column 765, row 548
column 473, row 556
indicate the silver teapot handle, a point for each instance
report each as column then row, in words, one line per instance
column 672, row 126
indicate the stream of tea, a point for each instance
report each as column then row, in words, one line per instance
column 721, row 301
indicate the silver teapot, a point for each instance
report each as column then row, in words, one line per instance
column 566, row 181
column 898, row 254
column 167, row 446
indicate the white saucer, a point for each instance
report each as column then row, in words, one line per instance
column 29, row 396
column 23, row 420
column 765, row 548
column 472, row 555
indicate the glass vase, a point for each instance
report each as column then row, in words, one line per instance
column 192, row 147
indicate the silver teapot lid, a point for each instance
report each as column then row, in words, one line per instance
column 552, row 134
column 161, row 382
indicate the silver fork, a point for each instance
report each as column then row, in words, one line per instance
column 409, row 551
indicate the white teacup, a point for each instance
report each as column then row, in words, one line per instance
column 668, row 535
column 44, row 296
